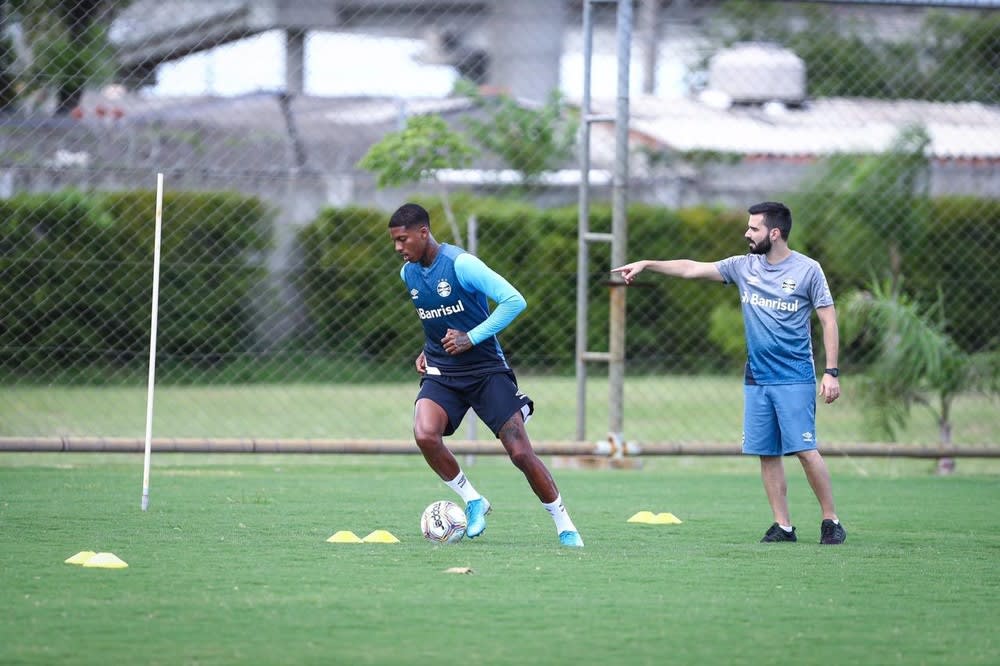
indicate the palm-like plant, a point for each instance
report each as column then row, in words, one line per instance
column 916, row 361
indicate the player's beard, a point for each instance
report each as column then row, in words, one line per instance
column 762, row 247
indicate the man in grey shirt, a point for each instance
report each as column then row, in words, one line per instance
column 779, row 289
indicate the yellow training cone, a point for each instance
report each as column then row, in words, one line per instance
column 642, row 517
column 665, row 519
column 380, row 536
column 344, row 536
column 105, row 561
column 81, row 557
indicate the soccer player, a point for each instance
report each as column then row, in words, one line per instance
column 779, row 289
column 463, row 366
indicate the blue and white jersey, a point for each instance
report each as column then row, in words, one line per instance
column 777, row 306
column 452, row 293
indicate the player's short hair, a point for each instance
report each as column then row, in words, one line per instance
column 411, row 216
column 776, row 215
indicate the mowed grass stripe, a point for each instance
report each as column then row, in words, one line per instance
column 230, row 565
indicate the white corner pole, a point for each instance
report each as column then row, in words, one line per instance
column 152, row 341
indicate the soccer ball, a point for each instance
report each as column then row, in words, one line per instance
column 443, row 522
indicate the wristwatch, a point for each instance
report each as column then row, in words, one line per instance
column 833, row 372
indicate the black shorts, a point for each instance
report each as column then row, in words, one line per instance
column 494, row 397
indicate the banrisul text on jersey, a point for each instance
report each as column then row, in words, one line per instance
column 442, row 311
column 454, row 292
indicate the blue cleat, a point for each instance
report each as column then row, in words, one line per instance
column 475, row 516
column 570, row 539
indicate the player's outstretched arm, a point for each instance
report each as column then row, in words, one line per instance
column 682, row 268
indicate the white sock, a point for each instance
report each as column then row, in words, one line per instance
column 461, row 485
column 787, row 528
column 558, row 513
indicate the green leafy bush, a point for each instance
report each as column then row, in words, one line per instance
column 957, row 254
column 350, row 274
column 348, row 264
column 79, row 270
column 673, row 325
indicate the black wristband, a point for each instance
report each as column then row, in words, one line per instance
column 833, row 372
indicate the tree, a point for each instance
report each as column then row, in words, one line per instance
column 530, row 140
column 953, row 56
column 888, row 192
column 965, row 52
column 417, row 152
column 8, row 89
column 883, row 199
column 69, row 45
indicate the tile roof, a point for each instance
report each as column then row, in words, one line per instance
column 967, row 130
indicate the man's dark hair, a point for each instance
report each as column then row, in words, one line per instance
column 776, row 215
column 411, row 216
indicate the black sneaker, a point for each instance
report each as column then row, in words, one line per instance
column 831, row 533
column 775, row 533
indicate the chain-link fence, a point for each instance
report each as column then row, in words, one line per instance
column 287, row 132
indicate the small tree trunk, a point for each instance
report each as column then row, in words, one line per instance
column 450, row 215
column 895, row 265
column 945, row 465
column 78, row 16
column 8, row 93
column 67, row 99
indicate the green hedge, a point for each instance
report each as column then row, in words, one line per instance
column 347, row 277
column 349, row 264
column 684, row 326
column 958, row 254
column 76, row 278
column 949, row 244
column 76, row 273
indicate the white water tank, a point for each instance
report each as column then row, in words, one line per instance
column 758, row 72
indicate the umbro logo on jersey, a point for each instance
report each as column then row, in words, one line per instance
column 414, row 294
column 788, row 286
column 443, row 288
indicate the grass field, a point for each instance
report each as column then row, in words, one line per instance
column 657, row 409
column 231, row 565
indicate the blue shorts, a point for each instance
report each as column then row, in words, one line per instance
column 778, row 419
column 494, row 397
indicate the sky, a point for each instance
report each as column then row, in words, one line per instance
column 390, row 68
